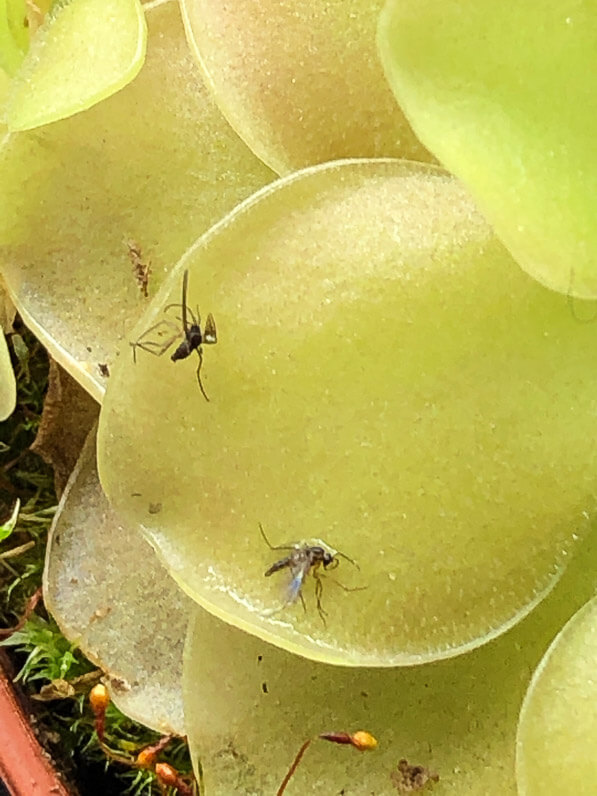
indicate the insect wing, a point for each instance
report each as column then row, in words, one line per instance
column 299, row 571
column 210, row 335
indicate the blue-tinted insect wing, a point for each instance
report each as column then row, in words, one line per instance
column 296, row 584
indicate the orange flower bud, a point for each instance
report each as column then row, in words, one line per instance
column 99, row 698
column 363, row 740
column 166, row 774
column 146, row 758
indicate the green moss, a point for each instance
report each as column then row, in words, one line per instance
column 39, row 652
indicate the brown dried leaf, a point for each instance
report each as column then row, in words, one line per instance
column 7, row 310
column 69, row 412
column 65, row 689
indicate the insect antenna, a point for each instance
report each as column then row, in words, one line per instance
column 348, row 558
column 270, row 545
column 185, row 282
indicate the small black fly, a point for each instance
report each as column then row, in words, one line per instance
column 301, row 560
column 193, row 337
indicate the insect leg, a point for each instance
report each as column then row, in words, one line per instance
column 347, row 588
column 163, row 322
column 318, row 594
column 300, row 594
column 152, row 346
column 200, row 355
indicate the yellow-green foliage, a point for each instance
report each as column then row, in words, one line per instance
column 503, row 94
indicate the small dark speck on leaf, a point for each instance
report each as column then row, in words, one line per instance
column 154, row 508
column 119, row 685
column 264, row 688
column 409, row 779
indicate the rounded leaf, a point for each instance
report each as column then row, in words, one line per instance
column 8, row 386
column 300, row 81
column 558, row 722
column 108, row 592
column 14, row 38
column 250, row 706
column 504, row 96
column 385, row 379
column 85, row 51
column 146, row 170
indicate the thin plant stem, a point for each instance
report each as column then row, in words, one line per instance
column 293, row 767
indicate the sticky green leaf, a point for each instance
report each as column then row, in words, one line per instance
column 13, row 34
column 249, row 707
column 156, row 164
column 108, row 592
column 85, row 51
column 8, row 527
column 504, row 95
column 8, row 386
column 386, row 379
column 557, row 733
column 300, row 81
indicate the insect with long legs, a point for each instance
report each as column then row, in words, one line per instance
column 302, row 560
column 193, row 336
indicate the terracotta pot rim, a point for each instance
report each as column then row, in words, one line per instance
column 25, row 766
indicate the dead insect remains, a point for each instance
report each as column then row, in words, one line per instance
column 193, row 337
column 408, row 778
column 141, row 269
column 302, row 560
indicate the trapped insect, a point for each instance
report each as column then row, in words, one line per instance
column 302, row 560
column 193, row 337
column 141, row 269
